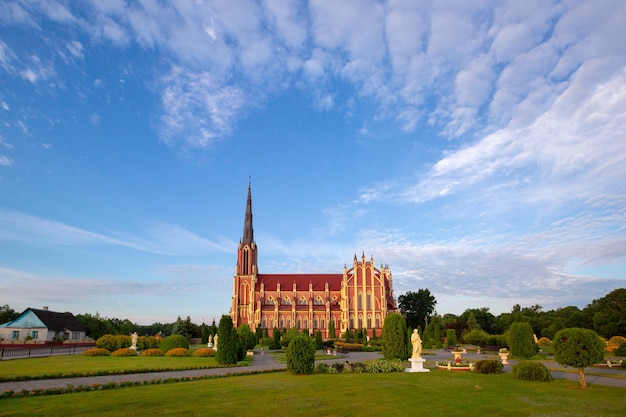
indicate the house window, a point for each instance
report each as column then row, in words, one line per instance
column 35, row 334
column 15, row 335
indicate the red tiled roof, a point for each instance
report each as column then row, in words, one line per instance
column 302, row 281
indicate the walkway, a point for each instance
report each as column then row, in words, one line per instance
column 265, row 362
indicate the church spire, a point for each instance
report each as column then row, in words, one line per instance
column 248, row 231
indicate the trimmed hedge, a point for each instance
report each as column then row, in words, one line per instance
column 204, row 353
column 97, row 352
column 174, row 341
column 152, row 352
column 178, row 352
column 124, row 352
column 489, row 366
column 531, row 371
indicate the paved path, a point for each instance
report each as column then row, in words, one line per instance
column 265, row 362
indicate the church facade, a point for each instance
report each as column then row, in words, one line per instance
column 359, row 297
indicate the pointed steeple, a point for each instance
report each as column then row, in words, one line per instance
column 248, row 231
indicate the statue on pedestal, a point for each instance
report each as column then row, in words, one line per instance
column 416, row 340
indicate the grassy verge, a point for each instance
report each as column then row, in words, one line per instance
column 58, row 366
column 282, row 394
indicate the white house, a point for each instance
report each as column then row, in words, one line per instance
column 43, row 325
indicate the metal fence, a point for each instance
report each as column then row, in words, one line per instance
column 26, row 352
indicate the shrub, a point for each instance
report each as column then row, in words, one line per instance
column 614, row 343
column 544, row 341
column 248, row 338
column 178, row 352
column 107, row 342
column 96, row 352
column 476, row 337
column 394, row 337
column 531, row 371
column 174, row 341
column 300, row 356
column 230, row 350
column 322, row 367
column 578, row 348
column 124, row 352
column 350, row 347
column 152, row 352
column 319, row 344
column 147, row 342
column 275, row 339
column 204, row 353
column 385, row 366
column 286, row 339
column 489, row 367
column 620, row 350
column 451, row 337
column 521, row 340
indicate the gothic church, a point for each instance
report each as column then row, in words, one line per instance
column 358, row 298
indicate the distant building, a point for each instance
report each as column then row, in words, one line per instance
column 43, row 325
column 360, row 297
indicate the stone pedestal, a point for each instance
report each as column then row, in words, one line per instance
column 417, row 365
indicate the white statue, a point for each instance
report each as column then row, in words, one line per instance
column 215, row 342
column 134, row 340
column 210, row 344
column 416, row 340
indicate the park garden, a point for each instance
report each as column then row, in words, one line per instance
column 319, row 383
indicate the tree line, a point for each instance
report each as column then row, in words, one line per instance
column 606, row 316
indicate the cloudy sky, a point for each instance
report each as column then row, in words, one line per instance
column 478, row 150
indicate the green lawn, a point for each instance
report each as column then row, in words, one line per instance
column 55, row 365
column 438, row 393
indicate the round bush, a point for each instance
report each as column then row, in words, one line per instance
column 124, row 352
column 489, row 367
column 531, row 371
column 174, row 341
column 96, row 352
column 152, row 352
column 107, row 342
column 300, row 356
column 204, row 353
column 178, row 352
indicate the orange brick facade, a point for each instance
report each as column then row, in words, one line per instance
column 358, row 298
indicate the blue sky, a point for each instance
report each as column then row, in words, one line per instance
column 478, row 150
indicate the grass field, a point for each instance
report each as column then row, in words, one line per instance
column 438, row 393
column 55, row 365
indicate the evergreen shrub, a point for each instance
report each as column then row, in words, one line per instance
column 152, row 352
column 124, row 352
column 96, row 352
column 521, row 341
column 450, row 337
column 107, row 342
column 230, row 350
column 489, row 366
column 174, row 341
column 178, row 352
column 394, row 337
column 300, row 356
column 322, row 367
column 531, row 371
column 204, row 353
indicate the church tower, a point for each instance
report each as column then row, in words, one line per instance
column 242, row 309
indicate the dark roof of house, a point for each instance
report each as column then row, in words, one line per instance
column 58, row 321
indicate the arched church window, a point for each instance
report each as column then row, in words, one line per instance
column 360, row 322
column 377, row 321
column 306, row 323
column 298, row 323
column 318, row 301
column 359, row 301
column 269, row 301
column 288, row 323
column 302, row 301
column 281, row 322
column 351, row 324
column 368, row 300
column 286, row 301
column 264, row 323
column 315, row 322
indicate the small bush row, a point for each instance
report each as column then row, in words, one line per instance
column 204, row 353
column 125, row 352
column 376, row 367
column 96, row 352
column 115, row 385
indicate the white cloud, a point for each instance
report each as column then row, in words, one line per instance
column 5, row 161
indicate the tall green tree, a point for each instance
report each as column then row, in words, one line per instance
column 300, row 355
column 417, row 307
column 229, row 349
column 394, row 337
column 608, row 314
column 579, row 348
column 7, row 314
